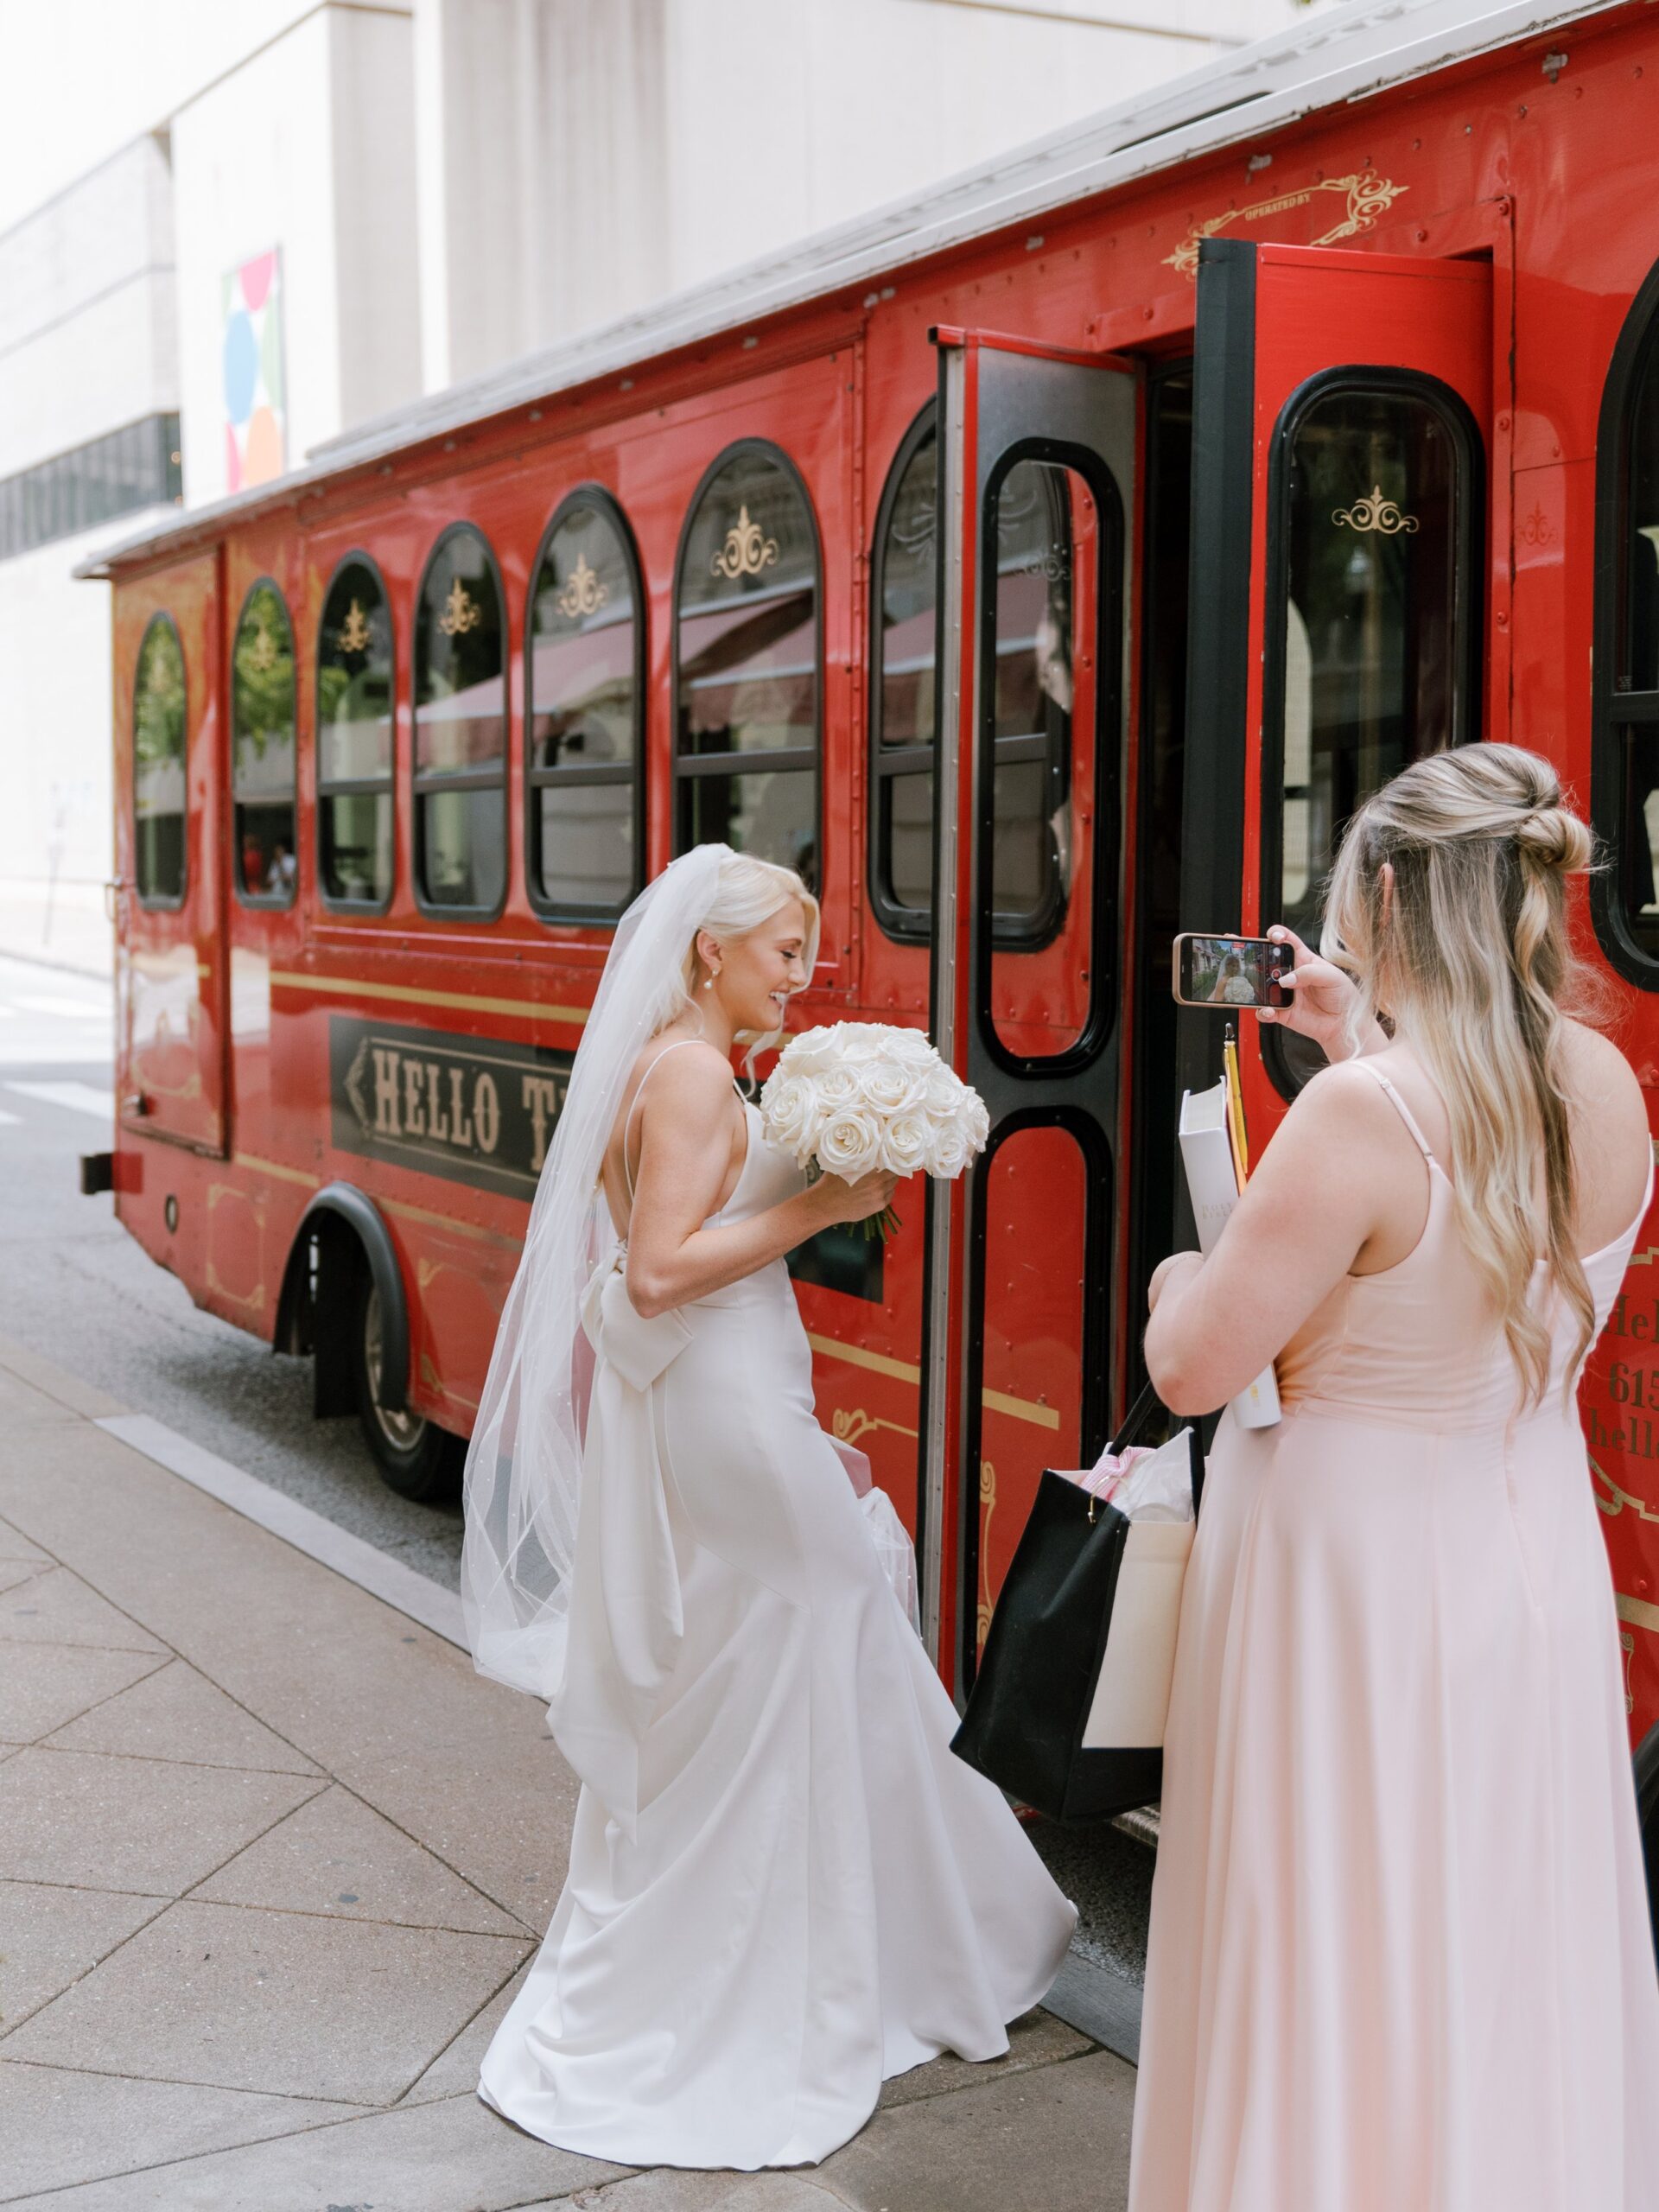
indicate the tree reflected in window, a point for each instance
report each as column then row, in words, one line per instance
column 356, row 720
column 158, row 765
column 263, row 703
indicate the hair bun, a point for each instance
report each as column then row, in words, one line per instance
column 1551, row 837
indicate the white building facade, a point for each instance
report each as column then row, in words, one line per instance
column 366, row 200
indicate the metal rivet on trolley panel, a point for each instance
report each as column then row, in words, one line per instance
column 170, row 1213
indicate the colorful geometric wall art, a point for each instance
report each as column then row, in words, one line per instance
column 256, row 423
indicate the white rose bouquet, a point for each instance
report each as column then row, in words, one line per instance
column 859, row 1095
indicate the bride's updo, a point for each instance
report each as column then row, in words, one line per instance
column 1464, row 945
column 748, row 893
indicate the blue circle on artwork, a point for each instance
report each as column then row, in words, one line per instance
column 241, row 366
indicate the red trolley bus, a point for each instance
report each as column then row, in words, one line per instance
column 1041, row 568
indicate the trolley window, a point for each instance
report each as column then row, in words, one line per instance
column 460, row 731
column 584, row 696
column 355, row 724
column 904, row 710
column 158, row 765
column 747, row 652
column 1625, row 782
column 263, row 703
column 1374, row 592
column 1041, row 509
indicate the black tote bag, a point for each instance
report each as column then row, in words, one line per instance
column 1029, row 1705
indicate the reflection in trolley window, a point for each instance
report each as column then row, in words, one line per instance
column 747, row 652
column 904, row 706
column 158, row 765
column 1374, row 585
column 1624, row 781
column 355, row 722
column 460, row 731
column 1042, row 509
column 262, row 708
column 584, row 696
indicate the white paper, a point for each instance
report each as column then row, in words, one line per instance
column 1207, row 1156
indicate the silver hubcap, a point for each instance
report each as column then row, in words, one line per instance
column 401, row 1431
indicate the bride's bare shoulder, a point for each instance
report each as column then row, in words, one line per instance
column 694, row 1077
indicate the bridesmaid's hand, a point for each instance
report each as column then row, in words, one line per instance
column 839, row 1201
column 1185, row 1263
column 1322, row 999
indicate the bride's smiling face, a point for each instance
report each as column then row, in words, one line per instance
column 756, row 975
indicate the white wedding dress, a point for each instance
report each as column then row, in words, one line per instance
column 783, row 1887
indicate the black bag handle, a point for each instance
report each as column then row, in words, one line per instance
column 1146, row 1405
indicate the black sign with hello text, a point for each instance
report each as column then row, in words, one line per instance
column 470, row 1108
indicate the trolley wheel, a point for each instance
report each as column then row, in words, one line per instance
column 416, row 1457
column 1647, row 1806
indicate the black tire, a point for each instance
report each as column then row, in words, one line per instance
column 1647, row 1806
column 416, row 1457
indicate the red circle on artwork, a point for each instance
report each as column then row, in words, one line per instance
column 256, row 277
column 232, row 462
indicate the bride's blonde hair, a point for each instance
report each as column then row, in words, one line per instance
column 1470, row 957
column 748, row 893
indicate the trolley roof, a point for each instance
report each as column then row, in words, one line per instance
column 1348, row 54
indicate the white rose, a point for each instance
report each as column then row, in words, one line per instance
column 906, row 1143
column 911, row 1048
column 789, row 1113
column 943, row 1091
column 849, row 1144
column 861, row 1042
column 950, row 1152
column 835, row 1087
column 891, row 1088
column 810, row 1053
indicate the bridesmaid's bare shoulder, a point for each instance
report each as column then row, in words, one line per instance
column 1611, row 1140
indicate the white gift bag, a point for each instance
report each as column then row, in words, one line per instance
column 1154, row 1490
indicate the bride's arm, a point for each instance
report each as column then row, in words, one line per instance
column 685, row 1150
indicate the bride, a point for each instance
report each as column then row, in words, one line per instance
column 782, row 1888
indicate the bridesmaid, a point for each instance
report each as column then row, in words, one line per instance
column 1399, row 1955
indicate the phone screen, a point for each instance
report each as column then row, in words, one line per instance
column 1234, row 971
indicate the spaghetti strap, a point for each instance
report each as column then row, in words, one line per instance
column 638, row 1092
column 1400, row 1107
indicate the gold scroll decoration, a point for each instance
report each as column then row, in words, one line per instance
column 1368, row 197
column 747, row 550
column 461, row 612
column 584, row 593
column 354, row 634
column 1375, row 514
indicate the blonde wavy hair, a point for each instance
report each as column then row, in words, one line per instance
column 1469, row 959
column 748, row 893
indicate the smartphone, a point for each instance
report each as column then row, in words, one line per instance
column 1230, row 971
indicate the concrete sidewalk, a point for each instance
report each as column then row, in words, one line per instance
column 271, row 1860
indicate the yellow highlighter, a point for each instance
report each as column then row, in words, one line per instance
column 1236, row 1134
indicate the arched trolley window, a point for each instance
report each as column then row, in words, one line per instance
column 584, row 687
column 158, row 765
column 264, row 708
column 1624, row 761
column 356, row 720
column 1042, row 509
column 460, row 731
column 747, row 686
column 1376, row 498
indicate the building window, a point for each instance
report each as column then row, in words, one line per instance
column 262, row 708
column 461, row 730
column 1624, row 770
column 356, row 718
column 1374, row 589
column 158, row 765
column 904, row 708
column 746, row 654
column 584, row 698
column 129, row 469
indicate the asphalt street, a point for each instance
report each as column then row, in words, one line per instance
column 76, row 1288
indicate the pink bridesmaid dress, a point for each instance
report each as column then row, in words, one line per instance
column 1400, row 1957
